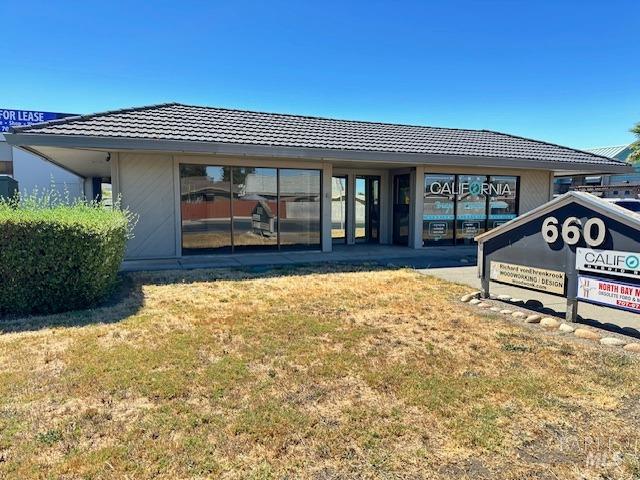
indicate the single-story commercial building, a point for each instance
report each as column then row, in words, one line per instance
column 206, row 180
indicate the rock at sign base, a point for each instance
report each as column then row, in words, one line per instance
column 587, row 334
column 632, row 347
column 516, row 300
column 466, row 298
column 506, row 311
column 483, row 305
column 549, row 322
column 612, row 341
column 532, row 319
column 474, row 301
column 504, row 297
column 566, row 328
column 518, row 315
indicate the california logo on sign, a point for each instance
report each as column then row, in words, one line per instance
column 611, row 262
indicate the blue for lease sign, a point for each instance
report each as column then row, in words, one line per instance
column 20, row 118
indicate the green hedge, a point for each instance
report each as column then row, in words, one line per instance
column 58, row 257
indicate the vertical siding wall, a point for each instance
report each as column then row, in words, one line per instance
column 146, row 184
column 535, row 189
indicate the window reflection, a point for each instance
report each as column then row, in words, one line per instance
column 213, row 199
column 339, row 209
column 255, row 208
column 205, row 208
column 503, row 204
column 457, row 208
column 361, row 202
column 299, row 208
column 439, row 209
column 471, row 218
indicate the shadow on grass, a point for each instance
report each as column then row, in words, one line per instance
column 609, row 327
column 128, row 299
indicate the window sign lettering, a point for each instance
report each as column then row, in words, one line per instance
column 457, row 208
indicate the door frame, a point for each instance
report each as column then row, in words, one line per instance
column 394, row 222
column 385, row 201
column 368, row 185
column 347, row 218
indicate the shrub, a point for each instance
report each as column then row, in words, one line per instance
column 57, row 256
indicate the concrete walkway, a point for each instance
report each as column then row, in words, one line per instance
column 602, row 317
column 435, row 257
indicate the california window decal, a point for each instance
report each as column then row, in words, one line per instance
column 457, row 208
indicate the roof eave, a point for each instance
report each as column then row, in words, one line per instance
column 241, row 149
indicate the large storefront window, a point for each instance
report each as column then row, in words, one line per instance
column 206, row 208
column 230, row 209
column 457, row 208
column 471, row 217
column 439, row 209
column 255, row 208
column 503, row 204
column 299, row 208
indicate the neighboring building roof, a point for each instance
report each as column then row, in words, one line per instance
column 186, row 123
column 619, row 152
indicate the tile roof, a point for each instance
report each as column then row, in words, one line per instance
column 175, row 121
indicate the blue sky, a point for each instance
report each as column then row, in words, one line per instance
column 561, row 71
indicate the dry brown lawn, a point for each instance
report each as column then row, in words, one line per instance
column 308, row 373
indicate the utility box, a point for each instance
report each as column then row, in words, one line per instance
column 8, row 186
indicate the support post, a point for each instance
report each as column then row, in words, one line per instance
column 572, row 286
column 484, row 287
column 485, row 280
column 325, row 199
column 572, row 310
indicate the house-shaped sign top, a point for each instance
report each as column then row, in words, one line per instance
column 545, row 248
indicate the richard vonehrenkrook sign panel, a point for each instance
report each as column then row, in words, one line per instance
column 541, row 279
column 609, row 293
column 611, row 262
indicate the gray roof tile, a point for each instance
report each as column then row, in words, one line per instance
column 174, row 121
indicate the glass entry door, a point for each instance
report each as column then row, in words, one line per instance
column 367, row 211
column 401, row 208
